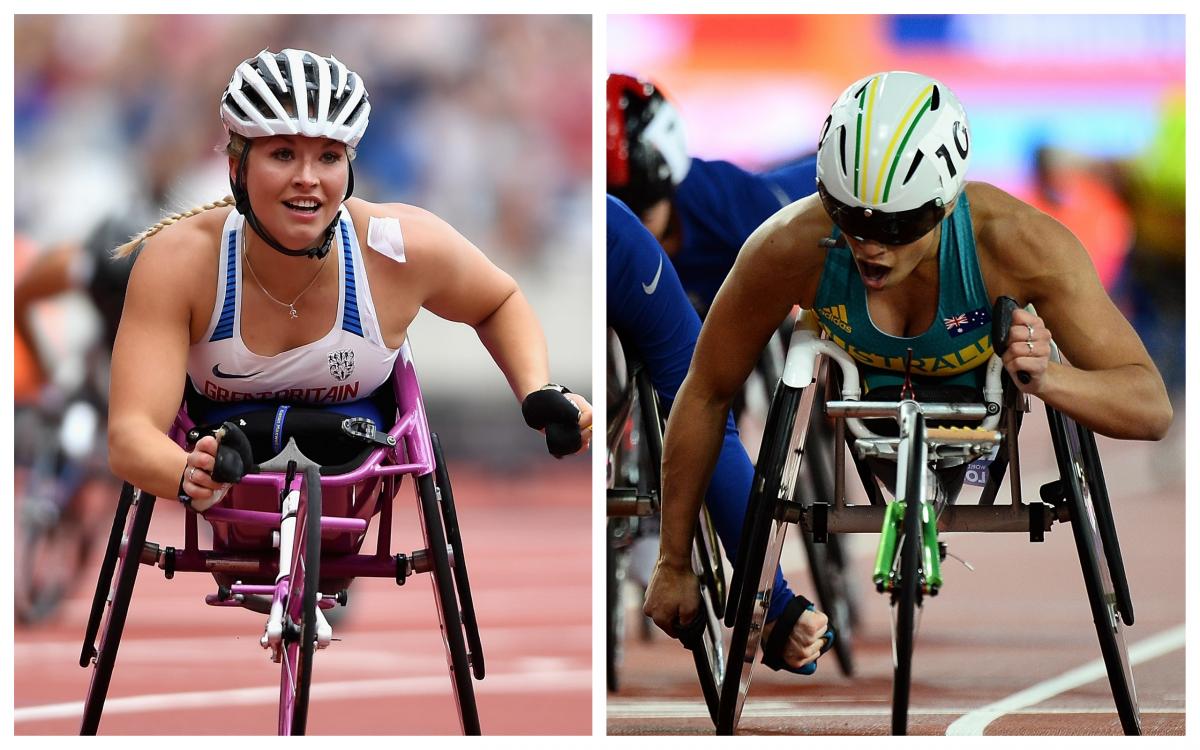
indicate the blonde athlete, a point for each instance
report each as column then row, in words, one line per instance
column 290, row 291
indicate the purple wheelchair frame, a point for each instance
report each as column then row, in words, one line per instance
column 257, row 508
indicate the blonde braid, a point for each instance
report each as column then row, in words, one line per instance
column 135, row 242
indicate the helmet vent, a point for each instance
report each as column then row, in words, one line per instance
column 235, row 109
column 842, row 150
column 937, row 99
column 912, row 169
column 268, row 75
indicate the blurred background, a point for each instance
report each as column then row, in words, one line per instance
column 1082, row 116
column 483, row 120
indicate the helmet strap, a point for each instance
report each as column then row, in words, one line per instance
column 241, row 197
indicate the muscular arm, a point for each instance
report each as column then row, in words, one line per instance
column 777, row 267
column 1111, row 385
column 149, row 365
column 462, row 285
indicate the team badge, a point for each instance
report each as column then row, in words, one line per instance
column 341, row 364
column 957, row 325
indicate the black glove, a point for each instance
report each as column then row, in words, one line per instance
column 548, row 409
column 234, row 457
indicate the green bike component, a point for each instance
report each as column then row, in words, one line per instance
column 931, row 558
column 885, row 558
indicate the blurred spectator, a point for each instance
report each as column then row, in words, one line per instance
column 483, row 119
column 1150, row 283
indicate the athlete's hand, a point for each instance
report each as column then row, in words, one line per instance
column 585, row 419
column 198, row 483
column 806, row 640
column 673, row 596
column 565, row 418
column 1028, row 351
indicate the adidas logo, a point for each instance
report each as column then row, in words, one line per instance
column 836, row 315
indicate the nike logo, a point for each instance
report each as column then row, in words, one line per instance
column 649, row 288
column 217, row 371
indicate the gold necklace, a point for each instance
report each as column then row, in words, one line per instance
column 291, row 306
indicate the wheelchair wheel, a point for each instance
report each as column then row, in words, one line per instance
column 906, row 596
column 708, row 649
column 126, row 563
column 1108, row 527
column 759, row 548
column 710, row 566
column 1081, row 488
column 461, row 582
column 458, row 658
column 827, row 561
column 300, row 611
column 616, row 563
column 832, row 585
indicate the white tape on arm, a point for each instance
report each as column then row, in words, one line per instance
column 384, row 236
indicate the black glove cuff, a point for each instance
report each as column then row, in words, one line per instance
column 184, row 498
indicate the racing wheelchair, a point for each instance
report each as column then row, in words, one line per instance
column 286, row 544
column 634, row 438
column 918, row 462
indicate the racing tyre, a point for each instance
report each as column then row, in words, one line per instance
column 759, row 548
column 907, row 590
column 458, row 658
column 126, row 562
column 462, row 584
column 300, row 611
column 1082, row 487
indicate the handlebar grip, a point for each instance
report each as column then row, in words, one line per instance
column 1002, row 313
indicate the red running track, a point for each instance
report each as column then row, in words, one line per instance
column 185, row 668
column 1019, row 622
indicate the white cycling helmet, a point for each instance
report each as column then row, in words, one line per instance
column 296, row 92
column 892, row 156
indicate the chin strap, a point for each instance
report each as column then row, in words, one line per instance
column 241, row 197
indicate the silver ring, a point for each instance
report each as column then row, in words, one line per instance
column 1030, row 345
column 191, row 474
column 1030, row 333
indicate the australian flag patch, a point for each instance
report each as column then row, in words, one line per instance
column 957, row 325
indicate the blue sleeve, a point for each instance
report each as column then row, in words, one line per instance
column 648, row 309
column 719, row 205
column 794, row 180
column 646, row 304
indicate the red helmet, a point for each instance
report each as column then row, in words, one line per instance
column 647, row 157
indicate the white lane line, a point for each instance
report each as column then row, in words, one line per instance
column 578, row 680
column 975, row 722
column 640, row 710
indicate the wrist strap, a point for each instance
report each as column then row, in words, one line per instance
column 184, row 498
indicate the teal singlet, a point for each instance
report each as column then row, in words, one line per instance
column 956, row 347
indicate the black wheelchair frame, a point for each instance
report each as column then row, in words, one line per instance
column 779, row 499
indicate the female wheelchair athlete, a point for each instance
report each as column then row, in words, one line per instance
column 907, row 564
column 286, row 541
